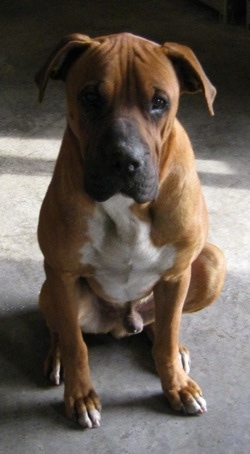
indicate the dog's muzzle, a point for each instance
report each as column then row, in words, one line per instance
column 120, row 162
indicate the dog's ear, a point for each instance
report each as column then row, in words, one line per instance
column 58, row 63
column 190, row 73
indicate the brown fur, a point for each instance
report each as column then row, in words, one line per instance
column 71, row 294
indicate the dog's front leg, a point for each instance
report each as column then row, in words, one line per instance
column 81, row 401
column 181, row 391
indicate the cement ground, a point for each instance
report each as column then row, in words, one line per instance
column 136, row 417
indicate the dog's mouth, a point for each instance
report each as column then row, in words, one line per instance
column 104, row 187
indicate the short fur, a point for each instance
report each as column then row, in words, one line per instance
column 123, row 226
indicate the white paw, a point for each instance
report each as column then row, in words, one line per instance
column 196, row 406
column 90, row 419
column 184, row 359
column 55, row 375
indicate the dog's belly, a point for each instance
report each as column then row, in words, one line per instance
column 126, row 264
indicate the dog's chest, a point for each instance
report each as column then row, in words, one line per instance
column 126, row 264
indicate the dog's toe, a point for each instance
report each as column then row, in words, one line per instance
column 53, row 369
column 90, row 419
column 52, row 364
column 195, row 406
column 55, row 375
column 184, row 358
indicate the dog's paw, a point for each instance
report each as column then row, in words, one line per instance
column 52, row 365
column 55, row 375
column 90, row 419
column 85, row 410
column 188, row 399
column 196, row 406
column 184, row 358
column 183, row 393
column 53, row 368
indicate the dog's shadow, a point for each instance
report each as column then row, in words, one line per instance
column 135, row 349
column 24, row 342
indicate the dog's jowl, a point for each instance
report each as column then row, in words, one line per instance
column 123, row 226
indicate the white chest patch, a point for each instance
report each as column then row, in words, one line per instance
column 126, row 263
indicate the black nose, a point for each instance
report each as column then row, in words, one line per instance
column 124, row 163
column 124, row 152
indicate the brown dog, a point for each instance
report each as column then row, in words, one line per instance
column 123, row 227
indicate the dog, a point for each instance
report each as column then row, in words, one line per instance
column 123, row 226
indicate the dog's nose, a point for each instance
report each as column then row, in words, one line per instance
column 123, row 150
column 125, row 164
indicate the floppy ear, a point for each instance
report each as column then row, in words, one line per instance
column 58, row 63
column 190, row 73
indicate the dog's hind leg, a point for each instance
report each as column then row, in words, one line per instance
column 184, row 354
column 207, row 279
column 52, row 364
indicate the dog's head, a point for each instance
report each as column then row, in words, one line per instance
column 122, row 97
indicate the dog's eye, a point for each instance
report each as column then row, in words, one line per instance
column 90, row 97
column 158, row 104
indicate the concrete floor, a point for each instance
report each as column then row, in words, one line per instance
column 136, row 417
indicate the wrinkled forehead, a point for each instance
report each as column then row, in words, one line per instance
column 126, row 62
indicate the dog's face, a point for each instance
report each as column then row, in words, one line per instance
column 120, row 111
column 122, row 97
